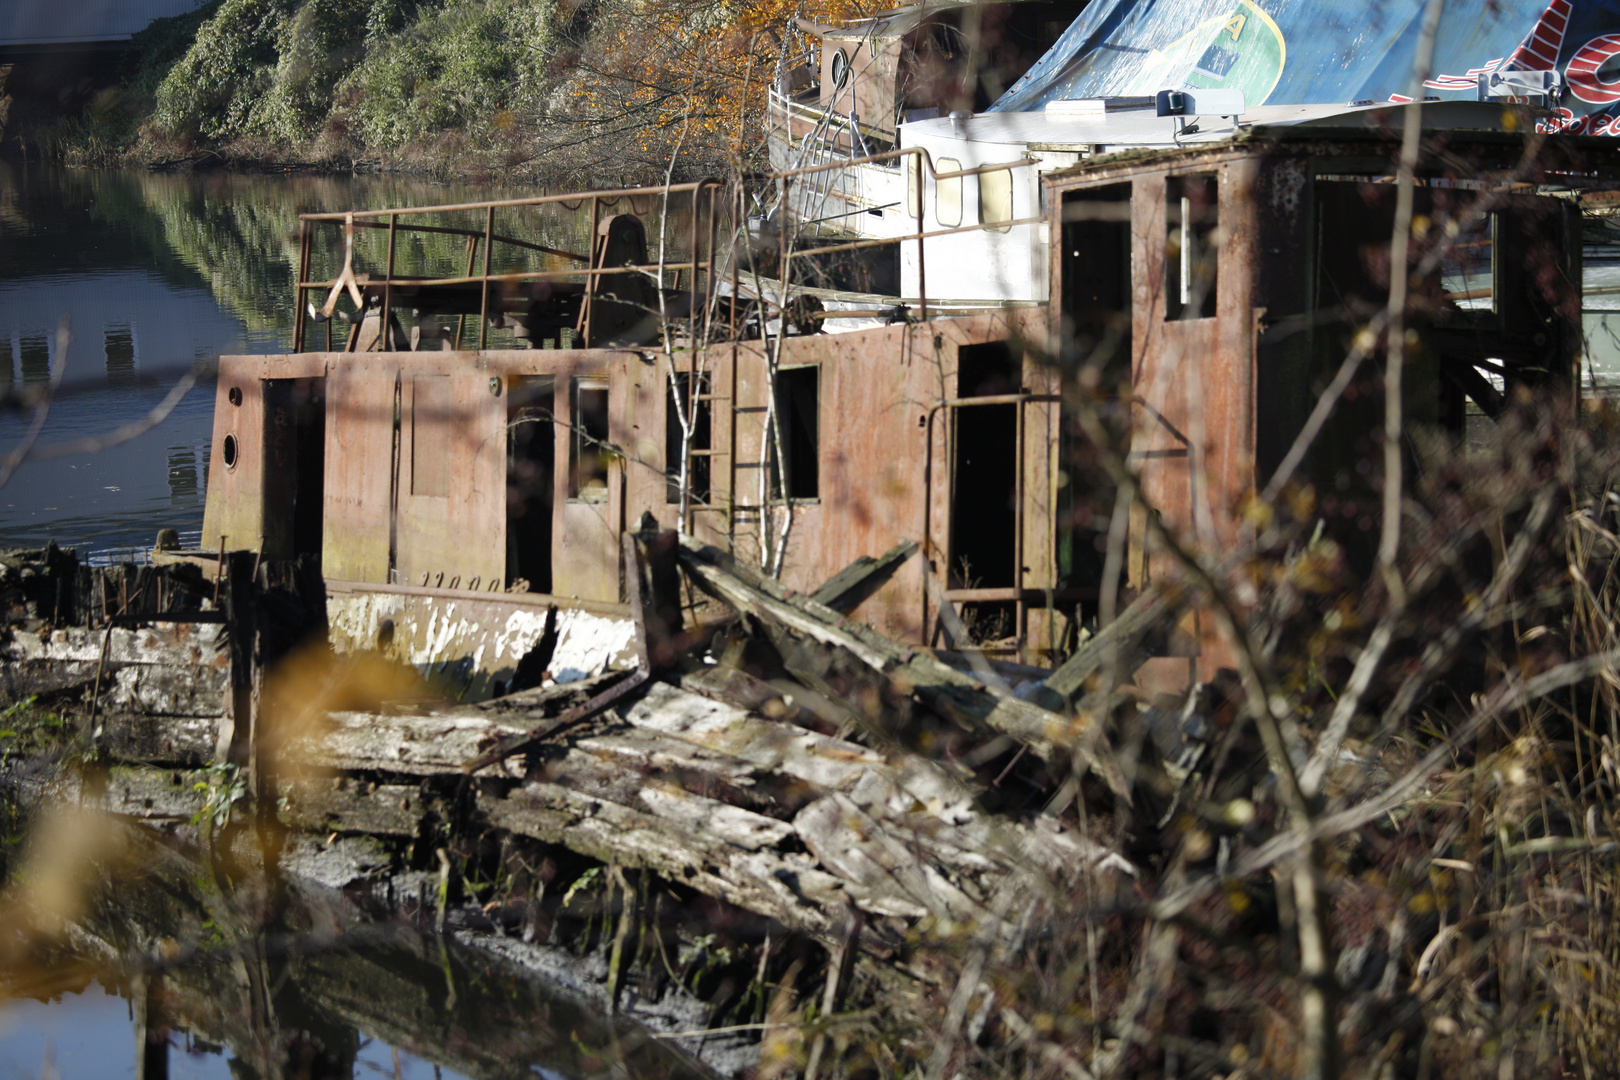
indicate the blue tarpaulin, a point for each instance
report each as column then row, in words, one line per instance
column 1282, row 52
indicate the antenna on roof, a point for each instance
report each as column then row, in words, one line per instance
column 1189, row 104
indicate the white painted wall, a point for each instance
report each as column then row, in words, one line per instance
column 982, row 264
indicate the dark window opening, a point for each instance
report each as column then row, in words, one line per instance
column 430, row 435
column 1097, row 336
column 588, row 443
column 531, row 459
column 988, row 369
column 1096, row 293
column 798, row 408
column 984, row 475
column 1191, row 247
column 679, row 402
column 294, row 466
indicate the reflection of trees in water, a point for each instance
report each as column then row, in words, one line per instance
column 288, row 977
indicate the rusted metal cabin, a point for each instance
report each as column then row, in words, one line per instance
column 1211, row 293
column 1219, row 290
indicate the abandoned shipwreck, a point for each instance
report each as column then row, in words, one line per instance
column 667, row 566
column 1208, row 292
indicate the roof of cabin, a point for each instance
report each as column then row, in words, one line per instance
column 1088, row 125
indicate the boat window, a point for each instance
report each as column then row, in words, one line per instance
column 996, row 198
column 676, row 403
column 840, row 68
column 798, row 412
column 1192, row 246
column 1467, row 272
column 588, row 445
column 948, row 194
column 430, row 435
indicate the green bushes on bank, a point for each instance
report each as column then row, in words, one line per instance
column 384, row 72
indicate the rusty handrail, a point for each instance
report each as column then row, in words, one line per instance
column 694, row 264
column 502, row 204
column 1018, row 401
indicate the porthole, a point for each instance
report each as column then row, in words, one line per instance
column 235, row 396
column 230, row 452
column 840, row 68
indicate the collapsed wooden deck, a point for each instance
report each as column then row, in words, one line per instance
column 768, row 757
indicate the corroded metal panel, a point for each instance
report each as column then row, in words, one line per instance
column 451, row 495
column 234, row 512
column 360, row 453
column 877, row 390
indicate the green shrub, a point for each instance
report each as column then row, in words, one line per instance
column 403, row 71
column 211, row 91
column 467, row 65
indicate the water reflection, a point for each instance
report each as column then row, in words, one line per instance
column 225, row 966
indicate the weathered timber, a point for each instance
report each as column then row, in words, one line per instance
column 722, row 800
column 160, row 687
column 928, row 800
column 349, row 805
column 848, row 589
column 943, row 689
column 437, row 743
column 1131, row 639
column 787, row 888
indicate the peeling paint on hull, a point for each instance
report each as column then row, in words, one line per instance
column 470, row 644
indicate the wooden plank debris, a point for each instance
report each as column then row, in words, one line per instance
column 849, row 588
column 1132, row 639
column 941, row 688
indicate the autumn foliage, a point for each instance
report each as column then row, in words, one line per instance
column 662, row 80
column 560, row 91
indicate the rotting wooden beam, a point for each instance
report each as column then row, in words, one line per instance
column 952, row 694
column 851, row 586
column 1129, row 639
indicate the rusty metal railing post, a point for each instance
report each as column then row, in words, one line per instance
column 383, row 333
column 328, row 335
column 739, row 231
column 1020, row 609
column 785, row 255
column 472, row 254
column 303, row 276
column 483, row 304
column 922, row 203
column 709, row 285
column 692, row 294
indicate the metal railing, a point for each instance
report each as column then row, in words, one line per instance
column 698, row 265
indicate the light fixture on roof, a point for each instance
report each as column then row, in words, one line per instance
column 1547, row 85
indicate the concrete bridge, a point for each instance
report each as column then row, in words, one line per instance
column 31, row 27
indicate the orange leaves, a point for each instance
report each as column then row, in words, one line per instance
column 659, row 67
